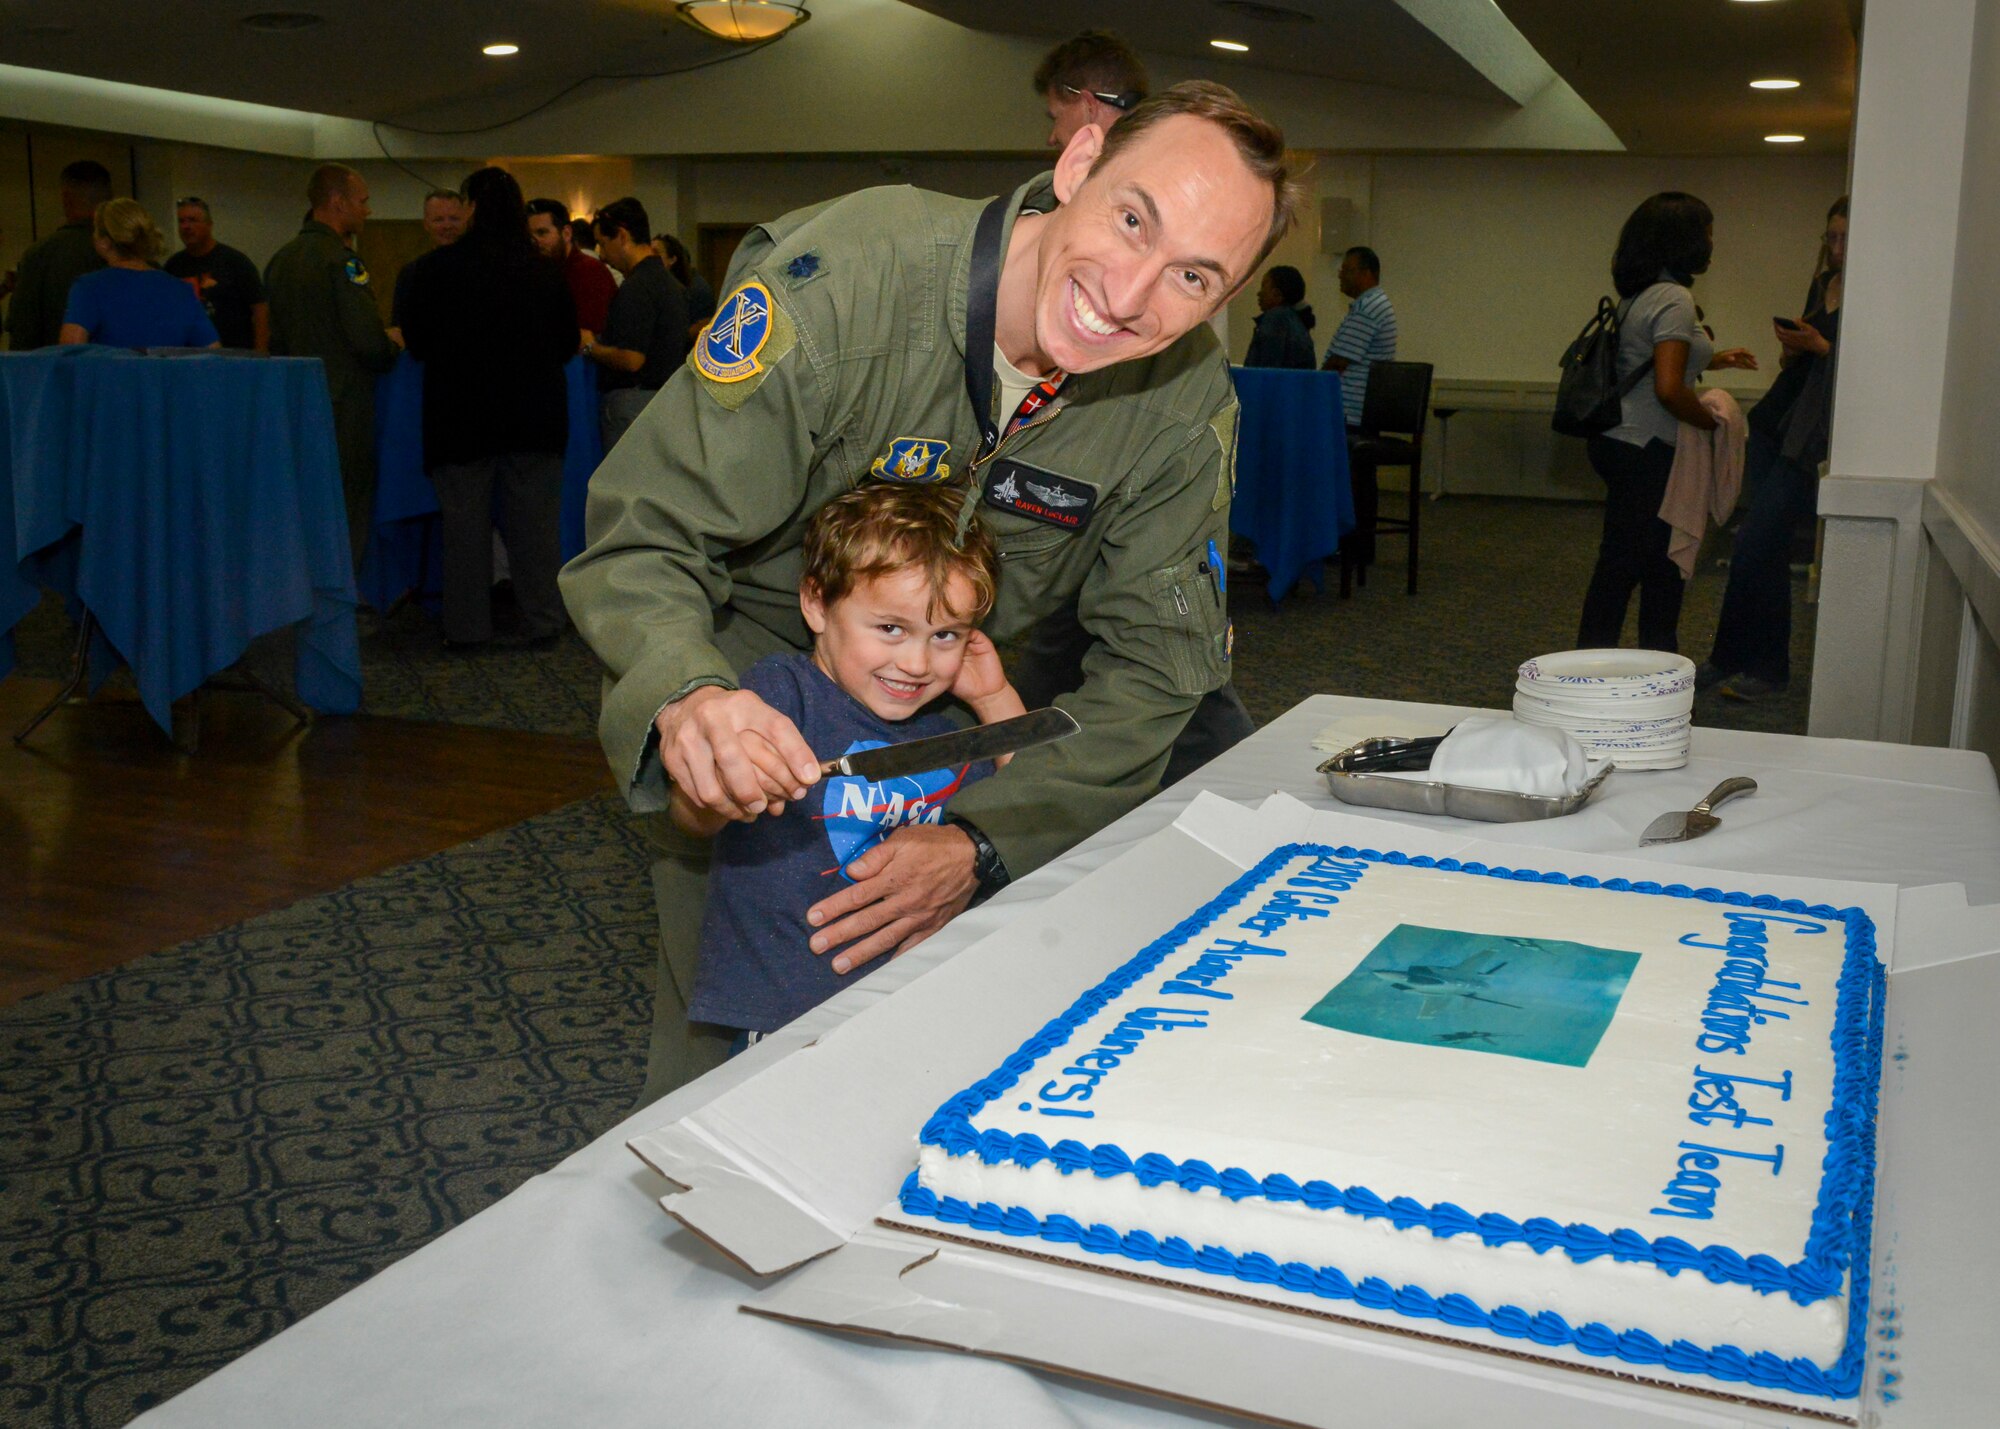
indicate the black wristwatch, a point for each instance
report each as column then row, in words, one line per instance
column 987, row 865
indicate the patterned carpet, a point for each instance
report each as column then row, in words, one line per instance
column 208, row 1144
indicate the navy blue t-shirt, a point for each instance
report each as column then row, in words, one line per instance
column 123, row 307
column 756, row 970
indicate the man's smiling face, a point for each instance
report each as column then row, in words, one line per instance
column 1146, row 245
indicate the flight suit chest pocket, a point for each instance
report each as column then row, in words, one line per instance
column 1191, row 626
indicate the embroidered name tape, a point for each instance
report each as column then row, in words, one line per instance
column 1042, row 495
column 742, row 325
column 913, row 459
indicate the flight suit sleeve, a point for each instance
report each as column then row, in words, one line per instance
column 709, row 467
column 1154, row 605
column 360, row 323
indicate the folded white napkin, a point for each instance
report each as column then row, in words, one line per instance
column 1495, row 753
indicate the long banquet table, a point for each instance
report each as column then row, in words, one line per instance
column 576, row 1300
column 190, row 503
column 1293, row 497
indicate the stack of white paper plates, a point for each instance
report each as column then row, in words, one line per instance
column 1634, row 706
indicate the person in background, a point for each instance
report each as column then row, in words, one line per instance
column 1091, row 78
column 322, row 306
column 1283, row 337
column 41, row 293
column 129, row 302
column 1665, row 244
column 583, row 234
column 493, row 324
column 1366, row 335
column 1789, row 429
column 590, row 282
column 444, row 223
column 680, row 263
column 223, row 278
column 645, row 340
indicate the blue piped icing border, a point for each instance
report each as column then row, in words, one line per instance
column 1837, row 1242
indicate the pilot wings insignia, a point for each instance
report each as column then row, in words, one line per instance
column 1051, row 496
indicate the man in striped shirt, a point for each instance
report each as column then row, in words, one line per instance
column 1366, row 335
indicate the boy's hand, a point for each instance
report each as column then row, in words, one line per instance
column 905, row 888
column 980, row 677
column 730, row 753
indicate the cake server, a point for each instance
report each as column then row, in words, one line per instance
column 964, row 746
column 1673, row 828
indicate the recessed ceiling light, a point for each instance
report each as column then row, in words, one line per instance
column 1784, row 138
column 1774, row 84
column 497, row 50
column 1232, row 46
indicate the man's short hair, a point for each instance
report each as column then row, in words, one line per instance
column 1367, row 259
column 328, row 182
column 626, row 216
column 1094, row 62
column 884, row 526
column 1259, row 142
column 443, row 196
column 89, row 180
column 555, row 208
column 192, row 202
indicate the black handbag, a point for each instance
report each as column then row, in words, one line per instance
column 1590, row 399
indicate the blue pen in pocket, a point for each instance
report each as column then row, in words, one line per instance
column 1221, row 570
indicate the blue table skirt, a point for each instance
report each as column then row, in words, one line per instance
column 1292, row 493
column 191, row 503
column 405, row 549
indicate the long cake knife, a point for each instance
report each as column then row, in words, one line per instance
column 965, row 746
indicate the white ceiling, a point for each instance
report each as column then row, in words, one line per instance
column 1669, row 76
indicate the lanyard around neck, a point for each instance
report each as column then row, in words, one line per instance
column 982, row 301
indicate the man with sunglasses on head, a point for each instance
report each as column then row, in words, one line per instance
column 1093, row 78
column 227, row 282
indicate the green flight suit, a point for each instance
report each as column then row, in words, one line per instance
column 322, row 306
column 695, row 522
column 41, row 289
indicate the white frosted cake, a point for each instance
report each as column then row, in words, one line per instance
column 1620, row 1119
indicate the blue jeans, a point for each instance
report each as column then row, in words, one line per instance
column 1754, row 634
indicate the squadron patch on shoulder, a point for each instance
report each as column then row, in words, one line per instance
column 803, row 269
column 741, row 326
column 356, row 271
column 913, row 460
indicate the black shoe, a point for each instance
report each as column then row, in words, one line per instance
column 1749, row 688
column 1708, row 675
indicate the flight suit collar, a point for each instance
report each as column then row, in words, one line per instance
column 313, row 225
column 1037, row 195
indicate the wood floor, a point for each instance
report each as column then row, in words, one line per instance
column 114, row 845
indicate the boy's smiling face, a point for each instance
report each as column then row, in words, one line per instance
column 882, row 643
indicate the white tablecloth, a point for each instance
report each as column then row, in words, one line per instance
column 577, row 1301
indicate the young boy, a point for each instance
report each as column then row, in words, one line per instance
column 893, row 593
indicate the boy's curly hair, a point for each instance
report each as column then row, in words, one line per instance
column 883, row 526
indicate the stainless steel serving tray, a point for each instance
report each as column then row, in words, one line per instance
column 1492, row 806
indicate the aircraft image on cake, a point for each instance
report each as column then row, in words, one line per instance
column 1540, row 999
column 1439, row 986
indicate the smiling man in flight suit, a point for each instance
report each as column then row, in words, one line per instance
column 1048, row 354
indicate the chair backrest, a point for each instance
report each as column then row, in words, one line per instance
column 1398, row 398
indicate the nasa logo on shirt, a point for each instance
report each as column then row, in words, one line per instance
column 860, row 813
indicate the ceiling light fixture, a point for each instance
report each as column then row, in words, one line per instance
column 1784, row 138
column 498, row 50
column 1232, row 46
column 742, row 22
column 1774, row 84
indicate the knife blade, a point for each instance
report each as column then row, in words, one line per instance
column 1693, row 823
column 963, row 746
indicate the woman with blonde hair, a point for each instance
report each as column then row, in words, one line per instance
column 129, row 302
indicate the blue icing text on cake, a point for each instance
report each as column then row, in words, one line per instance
column 1648, row 1109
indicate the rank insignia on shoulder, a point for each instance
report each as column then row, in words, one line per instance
column 803, row 269
column 912, row 460
column 1044, row 496
column 357, row 272
column 729, row 346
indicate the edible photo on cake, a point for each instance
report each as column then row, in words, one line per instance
column 1539, row 998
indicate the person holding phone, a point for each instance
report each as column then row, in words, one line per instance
column 1663, row 247
column 1789, row 430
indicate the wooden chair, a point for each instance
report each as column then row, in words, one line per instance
column 1392, row 434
